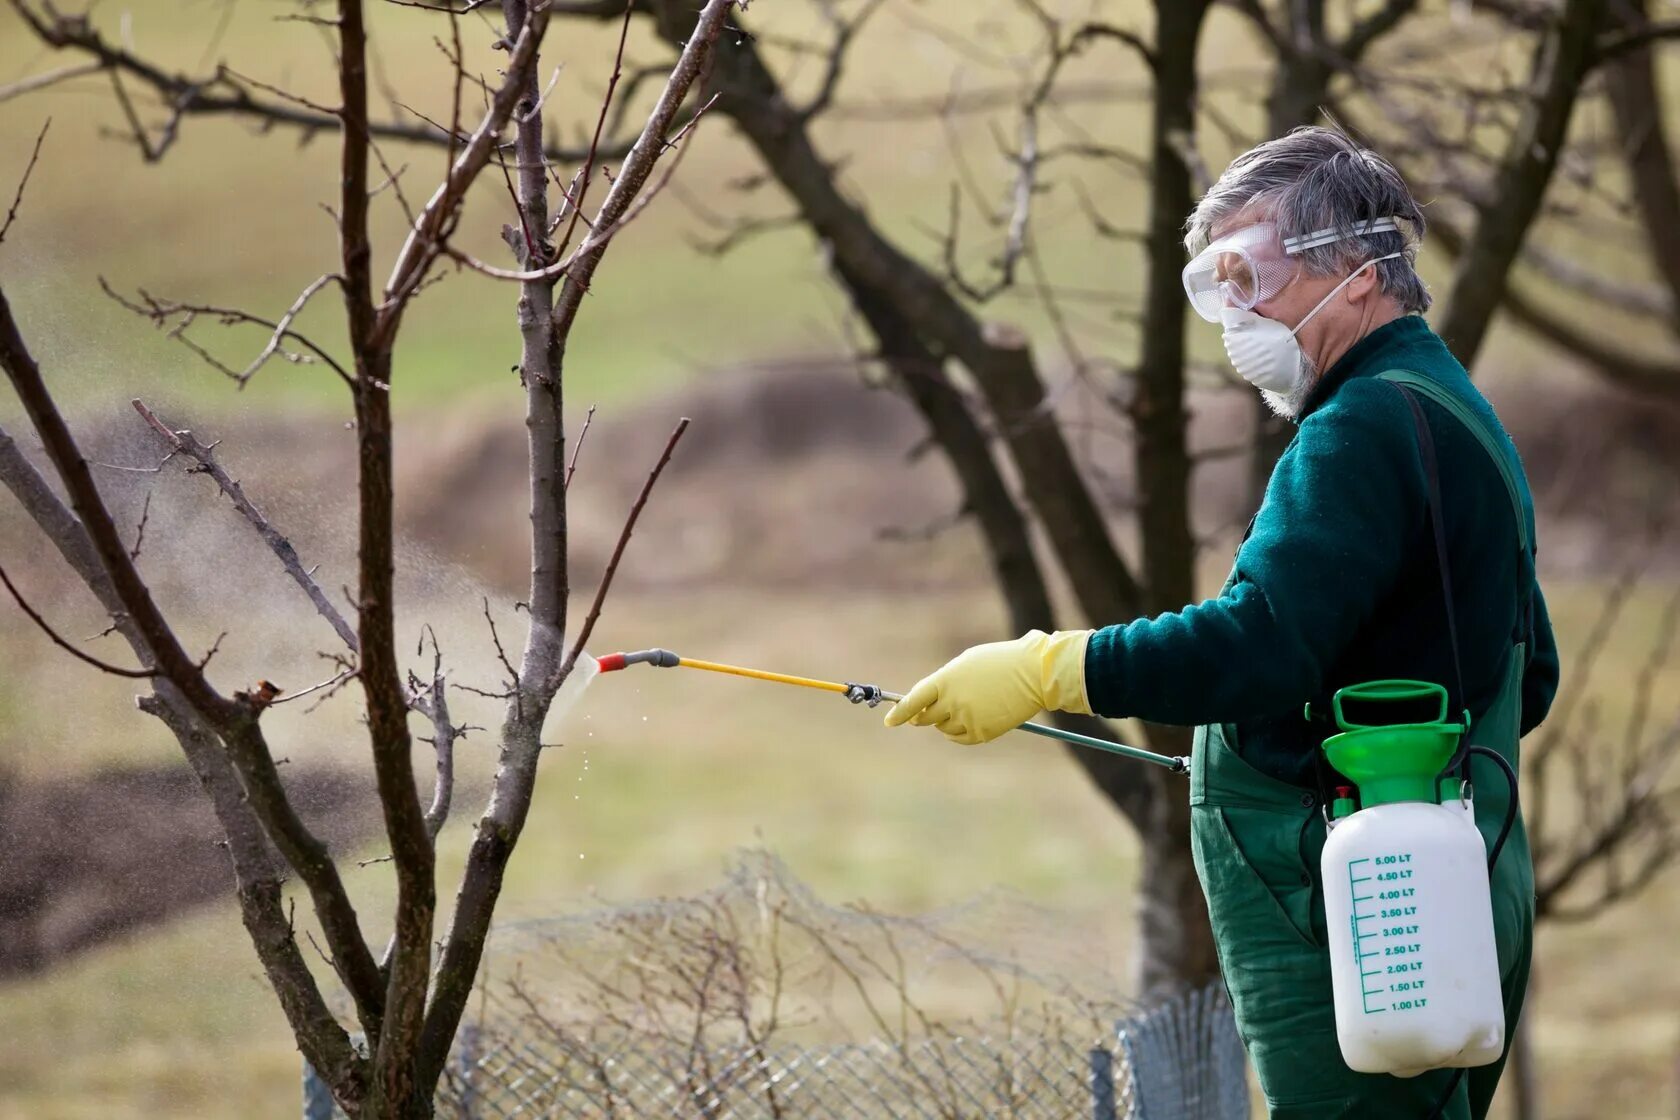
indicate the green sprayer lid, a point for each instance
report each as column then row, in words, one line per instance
column 1393, row 761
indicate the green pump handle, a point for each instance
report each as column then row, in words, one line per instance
column 1389, row 691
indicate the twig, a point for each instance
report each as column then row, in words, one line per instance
column 187, row 444
column 283, row 327
column 600, row 123
column 588, row 252
column 577, row 448
column 331, row 682
column 427, row 235
column 304, row 102
column 17, row 199
column 161, row 312
column 467, row 8
column 140, row 530
column 495, row 637
column 50, row 78
column 132, row 674
column 618, row 549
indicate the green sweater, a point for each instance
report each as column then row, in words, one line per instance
column 1336, row 580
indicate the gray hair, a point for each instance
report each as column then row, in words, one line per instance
column 1315, row 178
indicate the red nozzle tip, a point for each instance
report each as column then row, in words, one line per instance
column 1344, row 791
column 611, row 662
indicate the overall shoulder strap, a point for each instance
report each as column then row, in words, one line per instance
column 1406, row 379
column 1432, row 476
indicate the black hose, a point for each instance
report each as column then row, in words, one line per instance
column 1510, row 810
column 1493, row 858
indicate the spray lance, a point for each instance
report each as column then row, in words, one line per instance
column 871, row 695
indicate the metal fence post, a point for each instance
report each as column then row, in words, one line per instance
column 1102, row 1084
column 318, row 1103
column 466, row 1065
column 317, row 1098
column 1186, row 1059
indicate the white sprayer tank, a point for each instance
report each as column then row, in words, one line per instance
column 1412, row 955
column 1414, row 964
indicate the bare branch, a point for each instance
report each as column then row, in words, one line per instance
column 453, row 9
column 65, row 644
column 140, row 530
column 585, row 175
column 235, row 719
column 51, row 78
column 618, row 549
column 179, row 317
column 1373, row 27
column 638, row 165
column 845, row 31
column 1613, row 43
column 425, row 239
column 183, row 442
column 577, row 449
column 331, row 684
column 223, row 93
column 432, row 702
column 17, row 199
column 73, row 471
column 1093, row 32
column 501, row 654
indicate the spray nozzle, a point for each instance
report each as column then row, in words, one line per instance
column 659, row 658
column 870, row 694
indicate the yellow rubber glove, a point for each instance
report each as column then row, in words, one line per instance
column 989, row 689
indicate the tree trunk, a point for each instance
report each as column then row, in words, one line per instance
column 1298, row 89
column 1176, row 941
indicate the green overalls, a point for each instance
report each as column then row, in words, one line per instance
column 1257, row 842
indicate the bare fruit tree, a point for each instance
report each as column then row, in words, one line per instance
column 406, row 1003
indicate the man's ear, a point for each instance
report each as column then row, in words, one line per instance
column 1363, row 285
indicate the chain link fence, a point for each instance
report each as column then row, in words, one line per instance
column 757, row 1001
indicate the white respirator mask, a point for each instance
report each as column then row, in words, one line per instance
column 1225, row 281
column 1264, row 352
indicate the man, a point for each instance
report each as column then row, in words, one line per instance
column 1303, row 251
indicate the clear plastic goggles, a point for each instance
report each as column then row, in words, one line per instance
column 1238, row 270
column 1252, row 264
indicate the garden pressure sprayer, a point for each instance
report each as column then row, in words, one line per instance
column 872, row 695
column 1413, row 961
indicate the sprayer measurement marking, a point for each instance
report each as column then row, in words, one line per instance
column 1382, row 940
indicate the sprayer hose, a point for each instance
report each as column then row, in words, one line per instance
column 1493, row 858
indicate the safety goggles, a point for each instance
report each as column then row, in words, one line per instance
column 1252, row 264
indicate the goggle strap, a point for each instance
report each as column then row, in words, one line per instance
column 1331, row 234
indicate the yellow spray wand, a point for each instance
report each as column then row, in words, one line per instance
column 872, row 695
